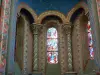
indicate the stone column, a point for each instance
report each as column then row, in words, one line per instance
column 79, row 45
column 35, row 28
column 67, row 29
column 42, row 49
column 61, row 56
column 25, row 45
column 61, row 47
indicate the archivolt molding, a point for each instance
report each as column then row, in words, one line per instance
column 79, row 5
column 55, row 21
column 48, row 13
column 32, row 12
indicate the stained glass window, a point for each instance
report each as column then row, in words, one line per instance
column 52, row 46
column 90, row 41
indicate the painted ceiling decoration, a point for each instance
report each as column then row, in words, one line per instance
column 41, row 6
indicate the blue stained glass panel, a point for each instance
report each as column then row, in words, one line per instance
column 52, row 45
column 52, row 33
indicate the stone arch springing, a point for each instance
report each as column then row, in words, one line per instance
column 79, row 20
column 79, row 5
column 75, row 35
column 54, row 20
column 29, row 17
column 52, row 13
column 28, row 14
column 29, row 9
column 76, row 14
column 51, row 17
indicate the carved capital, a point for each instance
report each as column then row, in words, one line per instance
column 35, row 28
column 18, row 15
column 67, row 28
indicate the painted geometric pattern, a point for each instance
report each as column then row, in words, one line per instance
column 35, row 67
column 90, row 41
column 35, row 53
column 52, row 46
column 25, row 46
column 4, row 21
column 42, row 48
column 69, row 52
column 78, row 55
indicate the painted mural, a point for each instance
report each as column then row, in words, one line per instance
column 4, row 21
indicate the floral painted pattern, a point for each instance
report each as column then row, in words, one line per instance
column 4, row 23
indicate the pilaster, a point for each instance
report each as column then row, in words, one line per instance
column 61, row 48
column 79, row 46
column 35, row 29
column 25, row 52
column 67, row 29
column 42, row 49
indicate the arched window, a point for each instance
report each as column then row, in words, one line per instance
column 90, row 41
column 52, row 46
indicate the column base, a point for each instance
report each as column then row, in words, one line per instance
column 10, row 73
column 35, row 73
column 70, row 73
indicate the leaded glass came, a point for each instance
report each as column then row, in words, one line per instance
column 90, row 41
column 52, row 46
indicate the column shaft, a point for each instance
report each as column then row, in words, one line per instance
column 25, row 47
column 79, row 46
column 35, row 29
column 70, row 67
column 67, row 28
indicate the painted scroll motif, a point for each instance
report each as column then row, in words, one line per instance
column 4, row 21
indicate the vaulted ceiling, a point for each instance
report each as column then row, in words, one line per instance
column 40, row 6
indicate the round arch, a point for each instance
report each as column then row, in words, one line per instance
column 49, row 13
column 79, row 5
column 25, row 6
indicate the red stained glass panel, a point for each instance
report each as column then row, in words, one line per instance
column 52, row 57
column 90, row 41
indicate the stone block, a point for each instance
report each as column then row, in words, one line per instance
column 70, row 73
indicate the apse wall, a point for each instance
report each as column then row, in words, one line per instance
column 40, row 6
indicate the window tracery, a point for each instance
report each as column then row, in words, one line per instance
column 52, row 46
